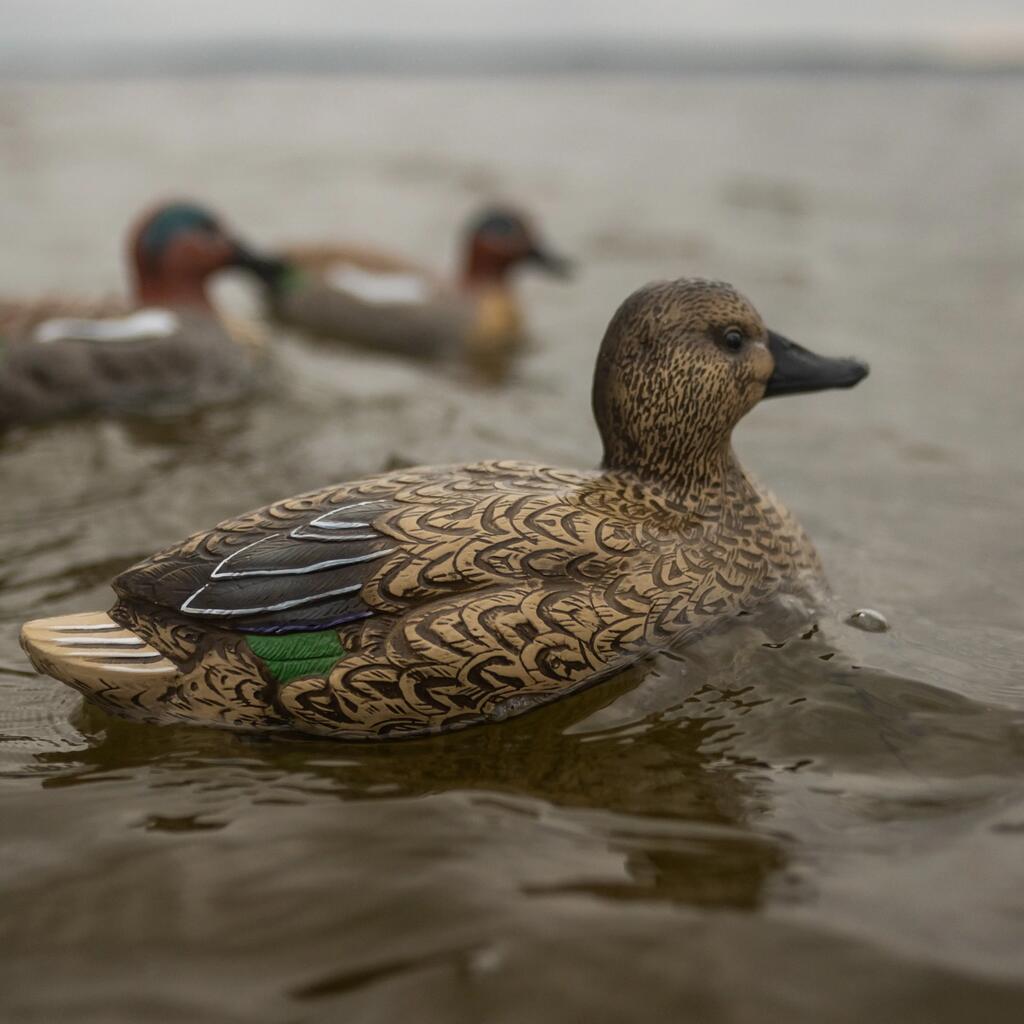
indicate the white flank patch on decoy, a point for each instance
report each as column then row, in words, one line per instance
column 377, row 287
column 140, row 326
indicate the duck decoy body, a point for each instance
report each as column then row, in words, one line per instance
column 166, row 350
column 381, row 302
column 435, row 598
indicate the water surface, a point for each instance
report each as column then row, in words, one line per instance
column 788, row 821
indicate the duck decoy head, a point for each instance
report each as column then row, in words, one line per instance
column 501, row 239
column 681, row 363
column 176, row 246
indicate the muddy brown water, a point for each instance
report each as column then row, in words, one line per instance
column 788, row 824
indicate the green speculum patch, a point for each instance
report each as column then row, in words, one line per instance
column 295, row 655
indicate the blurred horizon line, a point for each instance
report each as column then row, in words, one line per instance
column 486, row 56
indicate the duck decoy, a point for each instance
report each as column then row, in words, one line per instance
column 430, row 599
column 381, row 302
column 166, row 350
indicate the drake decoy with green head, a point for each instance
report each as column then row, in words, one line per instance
column 167, row 349
column 431, row 599
column 385, row 303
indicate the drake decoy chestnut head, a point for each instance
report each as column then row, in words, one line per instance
column 168, row 350
column 176, row 247
column 432, row 599
column 498, row 241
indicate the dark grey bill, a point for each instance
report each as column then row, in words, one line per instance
column 268, row 269
column 551, row 262
column 797, row 370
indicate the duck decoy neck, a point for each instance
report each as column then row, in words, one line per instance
column 664, row 416
column 152, row 289
column 482, row 265
column 657, row 435
column 683, row 466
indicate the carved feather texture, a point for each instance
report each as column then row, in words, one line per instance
column 473, row 585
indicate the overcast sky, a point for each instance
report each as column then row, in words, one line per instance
column 985, row 23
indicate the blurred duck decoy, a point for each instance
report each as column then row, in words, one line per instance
column 378, row 301
column 430, row 599
column 167, row 350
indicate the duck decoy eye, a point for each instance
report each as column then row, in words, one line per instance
column 732, row 340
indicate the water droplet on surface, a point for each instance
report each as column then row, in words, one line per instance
column 514, row 705
column 869, row 620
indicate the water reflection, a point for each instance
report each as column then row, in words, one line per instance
column 672, row 811
column 673, row 763
column 710, row 780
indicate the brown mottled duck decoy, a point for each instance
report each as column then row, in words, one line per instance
column 166, row 350
column 431, row 599
column 385, row 303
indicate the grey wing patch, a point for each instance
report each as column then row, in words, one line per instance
column 307, row 578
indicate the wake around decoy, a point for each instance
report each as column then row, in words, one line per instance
column 168, row 349
column 432, row 599
column 378, row 301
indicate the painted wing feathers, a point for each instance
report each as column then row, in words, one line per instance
column 381, row 546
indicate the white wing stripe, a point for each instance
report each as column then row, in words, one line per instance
column 220, row 573
column 299, row 533
column 282, row 606
column 324, row 521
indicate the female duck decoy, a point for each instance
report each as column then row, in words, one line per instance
column 377, row 301
column 168, row 350
column 431, row 599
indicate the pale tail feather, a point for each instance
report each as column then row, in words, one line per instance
column 117, row 669
column 96, row 656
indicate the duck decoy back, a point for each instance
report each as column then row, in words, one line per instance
column 436, row 598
